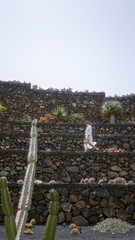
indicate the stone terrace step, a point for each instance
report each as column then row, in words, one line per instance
column 69, row 166
column 67, row 127
column 65, row 141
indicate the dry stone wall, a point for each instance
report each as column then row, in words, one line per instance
column 23, row 102
column 68, row 167
column 81, row 203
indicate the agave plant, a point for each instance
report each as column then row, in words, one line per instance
column 76, row 117
column 59, row 113
column 1, row 108
column 15, row 226
column 111, row 109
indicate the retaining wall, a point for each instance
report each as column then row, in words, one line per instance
column 81, row 203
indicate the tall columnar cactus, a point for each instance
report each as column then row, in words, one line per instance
column 15, row 227
column 50, row 229
column 7, row 208
column 27, row 190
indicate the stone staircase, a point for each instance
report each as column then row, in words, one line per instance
column 60, row 151
column 61, row 158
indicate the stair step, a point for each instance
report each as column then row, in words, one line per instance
column 63, row 127
column 74, row 142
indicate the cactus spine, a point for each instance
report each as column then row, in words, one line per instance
column 27, row 190
column 7, row 208
column 50, row 229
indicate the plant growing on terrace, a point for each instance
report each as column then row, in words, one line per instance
column 59, row 113
column 111, row 109
column 47, row 118
column 1, row 108
column 15, row 227
column 76, row 117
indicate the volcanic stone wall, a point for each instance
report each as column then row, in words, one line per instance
column 68, row 167
column 81, row 203
column 24, row 103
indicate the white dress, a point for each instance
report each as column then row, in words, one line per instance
column 88, row 135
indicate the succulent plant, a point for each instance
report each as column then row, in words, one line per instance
column 76, row 117
column 50, row 229
column 59, row 113
column 15, row 227
column 72, row 225
column 28, row 232
column 1, row 108
column 7, row 208
column 74, row 231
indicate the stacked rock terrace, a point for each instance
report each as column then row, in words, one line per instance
column 80, row 203
column 60, row 151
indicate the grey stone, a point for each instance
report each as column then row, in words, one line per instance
column 103, row 193
column 109, row 212
column 40, row 209
column 64, row 192
column 61, row 217
column 72, row 169
column 132, row 166
column 82, row 166
column 48, row 170
column 65, row 177
column 85, row 192
column 86, row 212
column 93, row 219
column 13, row 172
column 130, row 208
column 3, row 173
column 7, row 169
column 122, row 214
column 126, row 146
column 118, row 192
column 66, row 207
column 79, row 221
column 76, row 212
column 113, row 202
column 116, row 168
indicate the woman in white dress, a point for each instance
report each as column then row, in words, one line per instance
column 88, row 142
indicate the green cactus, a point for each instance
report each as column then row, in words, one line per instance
column 7, row 208
column 50, row 229
column 15, row 227
column 27, row 190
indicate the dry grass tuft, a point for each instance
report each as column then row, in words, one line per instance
column 113, row 225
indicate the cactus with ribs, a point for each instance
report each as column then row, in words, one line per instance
column 15, row 226
column 50, row 229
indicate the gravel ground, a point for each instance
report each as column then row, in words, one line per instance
column 63, row 233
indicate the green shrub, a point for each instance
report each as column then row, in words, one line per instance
column 76, row 117
column 111, row 108
column 59, row 113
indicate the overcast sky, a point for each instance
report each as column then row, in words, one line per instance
column 82, row 44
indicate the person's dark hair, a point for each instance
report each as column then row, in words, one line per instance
column 87, row 122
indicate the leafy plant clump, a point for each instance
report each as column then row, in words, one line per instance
column 113, row 225
column 59, row 113
column 76, row 117
column 1, row 108
column 47, row 118
column 111, row 108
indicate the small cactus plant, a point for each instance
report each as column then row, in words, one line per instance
column 50, row 229
column 7, row 208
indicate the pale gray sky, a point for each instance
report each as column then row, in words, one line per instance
column 82, row 44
